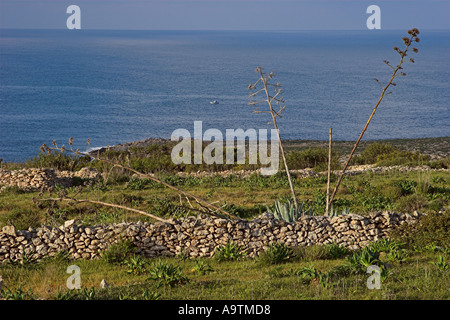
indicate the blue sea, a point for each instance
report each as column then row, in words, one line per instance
column 121, row 86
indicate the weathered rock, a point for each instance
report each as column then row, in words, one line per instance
column 104, row 284
column 9, row 230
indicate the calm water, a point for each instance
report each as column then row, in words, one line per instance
column 120, row 86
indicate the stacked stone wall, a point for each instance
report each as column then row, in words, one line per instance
column 198, row 236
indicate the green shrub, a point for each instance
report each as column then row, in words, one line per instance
column 312, row 252
column 407, row 186
column 117, row 176
column 441, row 163
column 167, row 207
column 58, row 160
column 316, row 158
column 384, row 154
column 363, row 258
column 410, row 203
column 385, row 245
column 201, row 267
column 229, row 252
column 432, row 229
column 167, row 274
column 389, row 250
column 441, row 264
column 310, row 273
column 276, row 253
column 378, row 202
column 137, row 183
column 119, row 252
column 372, row 153
column 136, row 265
column 22, row 219
column 335, row 251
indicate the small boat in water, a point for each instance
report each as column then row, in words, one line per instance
column 214, row 102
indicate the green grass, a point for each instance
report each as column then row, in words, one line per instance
column 418, row 277
column 244, row 197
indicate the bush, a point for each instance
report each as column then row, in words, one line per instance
column 201, row 267
column 372, row 153
column 137, row 183
column 276, row 253
column 59, row 161
column 407, row 186
column 441, row 163
column 119, row 252
column 136, row 265
column 362, row 259
column 22, row 219
column 167, row 274
column 410, row 203
column 316, row 158
column 229, row 252
column 432, row 229
column 384, row 154
column 335, row 251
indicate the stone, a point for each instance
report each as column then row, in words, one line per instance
column 69, row 223
column 104, row 284
column 10, row 230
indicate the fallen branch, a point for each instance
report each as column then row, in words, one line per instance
column 205, row 203
column 105, row 204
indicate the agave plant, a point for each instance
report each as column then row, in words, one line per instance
column 334, row 212
column 286, row 210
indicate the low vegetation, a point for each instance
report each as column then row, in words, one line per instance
column 314, row 272
column 413, row 264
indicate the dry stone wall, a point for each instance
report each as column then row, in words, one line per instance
column 198, row 236
column 42, row 179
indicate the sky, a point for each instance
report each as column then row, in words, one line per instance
column 225, row 14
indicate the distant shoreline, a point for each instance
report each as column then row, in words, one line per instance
column 437, row 147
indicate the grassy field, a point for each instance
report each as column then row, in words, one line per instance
column 417, row 276
column 245, row 197
column 416, row 269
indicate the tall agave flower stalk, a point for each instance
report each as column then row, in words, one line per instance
column 396, row 72
column 272, row 100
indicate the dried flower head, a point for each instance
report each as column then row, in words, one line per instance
column 416, row 31
column 416, row 39
column 54, row 142
column 71, row 141
column 411, row 60
column 43, row 148
column 415, row 50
